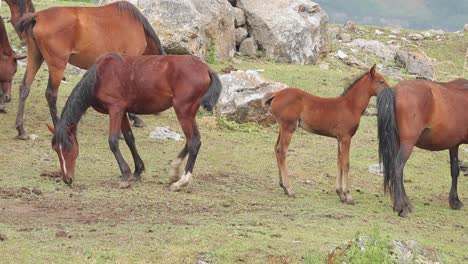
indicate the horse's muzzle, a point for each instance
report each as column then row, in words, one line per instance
column 68, row 180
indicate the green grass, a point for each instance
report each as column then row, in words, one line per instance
column 234, row 211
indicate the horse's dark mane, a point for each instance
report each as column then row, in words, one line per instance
column 75, row 107
column 22, row 4
column 346, row 91
column 124, row 6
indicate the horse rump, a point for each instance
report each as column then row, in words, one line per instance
column 26, row 22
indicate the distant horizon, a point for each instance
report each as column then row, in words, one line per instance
column 447, row 15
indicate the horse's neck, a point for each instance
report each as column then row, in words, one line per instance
column 4, row 44
column 359, row 96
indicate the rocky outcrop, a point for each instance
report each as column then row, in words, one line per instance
column 298, row 35
column 241, row 97
column 191, row 26
column 248, row 47
column 416, row 64
column 375, row 47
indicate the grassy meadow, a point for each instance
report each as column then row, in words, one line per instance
column 234, row 211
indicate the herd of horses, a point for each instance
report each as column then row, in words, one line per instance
column 129, row 73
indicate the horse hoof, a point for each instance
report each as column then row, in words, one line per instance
column 174, row 187
column 3, row 109
column 349, row 201
column 139, row 123
column 134, row 178
column 124, row 185
column 22, row 137
column 404, row 212
column 289, row 193
column 456, row 205
column 173, row 177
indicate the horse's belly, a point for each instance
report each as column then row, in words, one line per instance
column 439, row 141
column 150, row 107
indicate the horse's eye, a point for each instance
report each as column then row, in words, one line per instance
column 381, row 81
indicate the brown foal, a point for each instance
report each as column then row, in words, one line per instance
column 337, row 117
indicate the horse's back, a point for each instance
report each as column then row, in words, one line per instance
column 149, row 84
column 89, row 32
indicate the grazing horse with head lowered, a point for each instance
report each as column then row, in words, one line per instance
column 79, row 35
column 155, row 83
column 8, row 66
column 428, row 115
column 337, row 117
column 17, row 9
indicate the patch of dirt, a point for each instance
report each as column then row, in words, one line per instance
column 23, row 192
column 228, row 69
column 51, row 174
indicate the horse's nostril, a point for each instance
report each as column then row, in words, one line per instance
column 68, row 181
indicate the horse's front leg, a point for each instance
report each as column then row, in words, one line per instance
column 454, row 202
column 344, row 158
column 115, row 117
column 130, row 140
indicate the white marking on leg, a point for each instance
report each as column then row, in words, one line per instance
column 174, row 170
column 184, row 180
column 63, row 160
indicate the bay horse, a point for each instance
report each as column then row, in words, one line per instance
column 337, row 117
column 79, row 35
column 8, row 66
column 428, row 115
column 142, row 85
column 17, row 9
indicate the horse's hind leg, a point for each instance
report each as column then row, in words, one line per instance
column 115, row 117
column 192, row 136
column 400, row 200
column 454, row 202
column 130, row 140
column 344, row 158
column 281, row 151
column 56, row 71
column 137, row 122
column 35, row 60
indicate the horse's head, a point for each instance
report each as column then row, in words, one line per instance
column 65, row 144
column 8, row 64
column 377, row 81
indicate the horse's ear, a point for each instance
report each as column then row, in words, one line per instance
column 51, row 128
column 372, row 71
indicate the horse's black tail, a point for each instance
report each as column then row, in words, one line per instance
column 210, row 99
column 126, row 6
column 388, row 137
